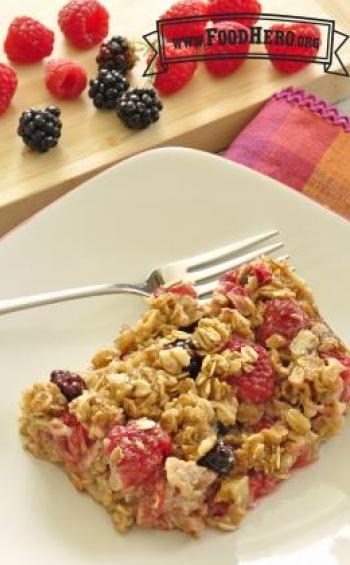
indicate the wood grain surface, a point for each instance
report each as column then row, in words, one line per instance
column 205, row 115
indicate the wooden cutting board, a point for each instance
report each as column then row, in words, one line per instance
column 205, row 115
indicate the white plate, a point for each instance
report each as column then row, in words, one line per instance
column 154, row 208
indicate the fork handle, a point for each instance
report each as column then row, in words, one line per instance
column 26, row 302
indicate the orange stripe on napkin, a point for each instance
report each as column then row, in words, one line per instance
column 330, row 182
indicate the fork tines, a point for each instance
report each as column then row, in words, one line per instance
column 203, row 270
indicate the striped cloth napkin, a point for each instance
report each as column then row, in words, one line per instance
column 303, row 142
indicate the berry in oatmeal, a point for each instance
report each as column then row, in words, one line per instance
column 260, row 485
column 255, row 382
column 345, row 374
column 138, row 451
column 70, row 384
column 195, row 366
column 284, row 317
column 220, row 459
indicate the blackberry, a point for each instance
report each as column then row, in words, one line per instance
column 245, row 278
column 70, row 384
column 116, row 54
column 220, row 459
column 195, row 366
column 40, row 129
column 139, row 108
column 106, row 89
column 189, row 329
column 184, row 343
column 222, row 430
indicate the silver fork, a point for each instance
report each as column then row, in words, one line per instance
column 202, row 271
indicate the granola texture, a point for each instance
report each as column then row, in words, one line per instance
column 201, row 408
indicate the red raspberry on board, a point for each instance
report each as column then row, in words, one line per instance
column 261, row 485
column 8, row 86
column 28, row 41
column 229, row 30
column 141, row 452
column 177, row 74
column 302, row 33
column 236, row 6
column 345, row 375
column 65, row 79
column 257, row 386
column 183, row 9
column 282, row 316
column 84, row 22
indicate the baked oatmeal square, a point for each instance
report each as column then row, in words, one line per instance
column 202, row 408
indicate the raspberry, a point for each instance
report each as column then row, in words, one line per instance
column 84, row 22
column 237, row 279
column 261, row 485
column 70, row 384
column 64, row 78
column 216, row 509
column 345, row 375
column 183, row 9
column 177, row 74
column 142, row 448
column 75, row 444
column 224, row 67
column 8, row 86
column 309, row 31
column 236, row 6
column 284, row 317
column 231, row 285
column 181, row 289
column 264, row 423
column 258, row 385
column 306, row 457
column 151, row 506
column 28, row 41
column 262, row 273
